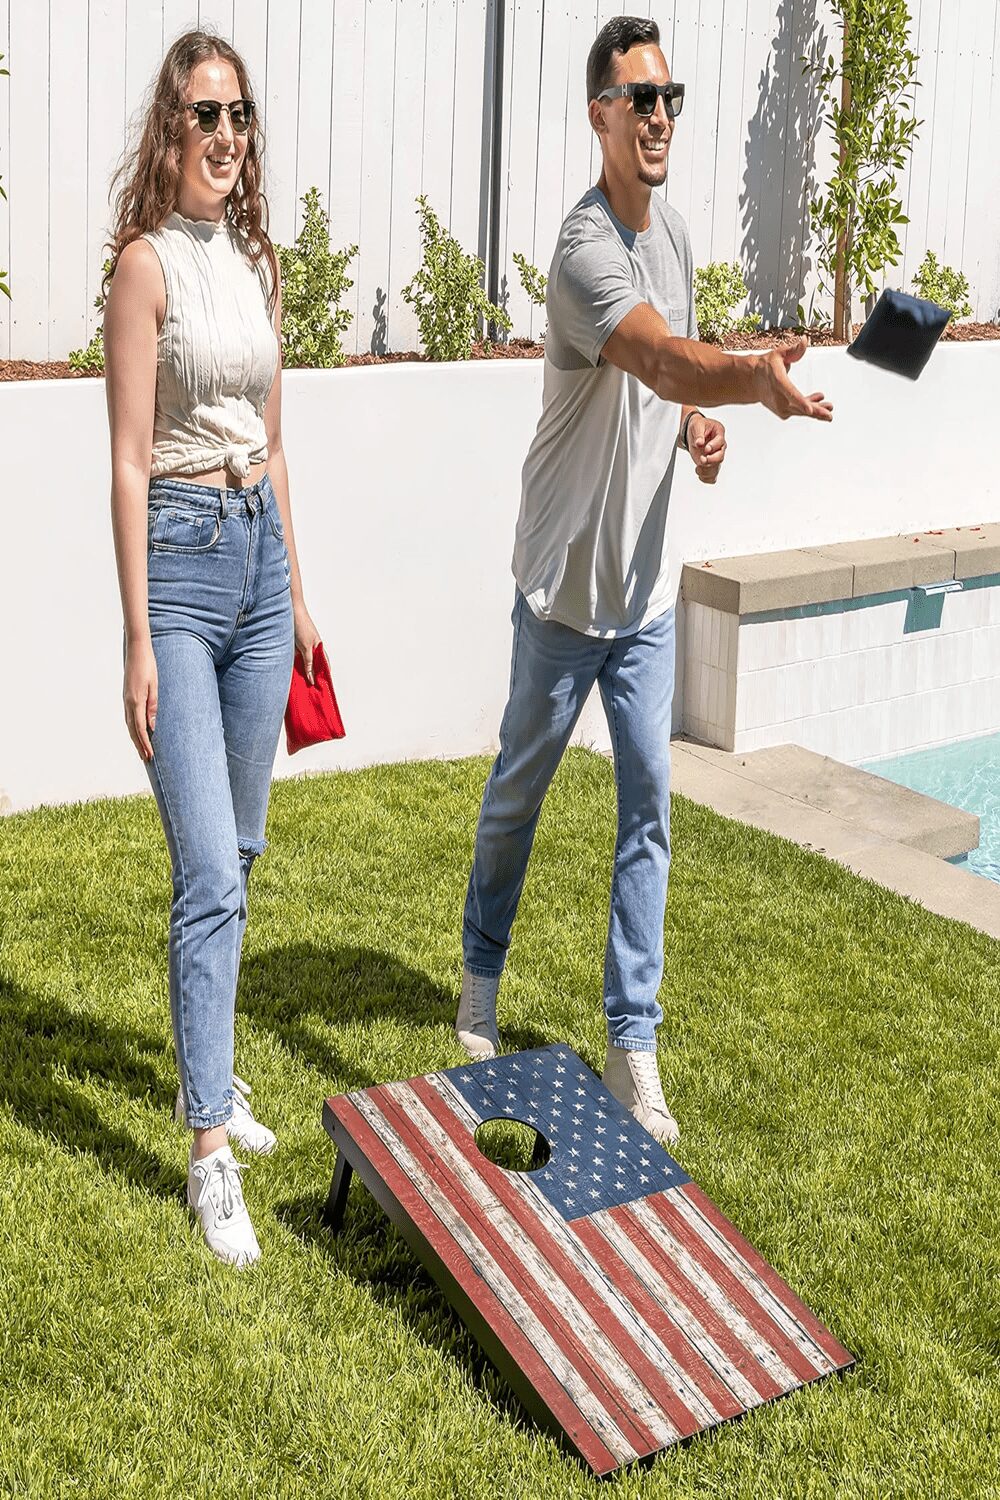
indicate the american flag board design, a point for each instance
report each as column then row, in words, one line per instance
column 626, row 1311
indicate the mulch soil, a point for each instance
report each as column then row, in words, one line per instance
column 58, row 369
column 961, row 333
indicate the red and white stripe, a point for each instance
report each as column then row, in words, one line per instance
column 637, row 1326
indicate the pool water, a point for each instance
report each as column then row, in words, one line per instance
column 966, row 775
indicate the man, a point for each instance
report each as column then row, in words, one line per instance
column 624, row 382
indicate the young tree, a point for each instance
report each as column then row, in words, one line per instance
column 856, row 217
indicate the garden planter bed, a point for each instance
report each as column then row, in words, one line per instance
column 59, row 369
column 773, row 338
column 426, row 479
column 823, row 338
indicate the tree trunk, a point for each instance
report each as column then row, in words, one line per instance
column 842, row 289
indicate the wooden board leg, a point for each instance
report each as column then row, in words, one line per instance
column 336, row 1203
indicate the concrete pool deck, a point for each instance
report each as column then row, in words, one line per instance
column 898, row 838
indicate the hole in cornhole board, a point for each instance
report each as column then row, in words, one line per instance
column 511, row 1145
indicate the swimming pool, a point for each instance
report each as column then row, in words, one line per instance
column 966, row 775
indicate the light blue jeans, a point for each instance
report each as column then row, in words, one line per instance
column 220, row 615
column 552, row 672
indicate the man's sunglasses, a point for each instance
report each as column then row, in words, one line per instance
column 645, row 95
column 209, row 113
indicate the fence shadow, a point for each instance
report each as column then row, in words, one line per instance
column 780, row 177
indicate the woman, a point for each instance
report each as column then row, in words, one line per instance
column 207, row 567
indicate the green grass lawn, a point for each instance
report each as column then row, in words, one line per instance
column 830, row 1050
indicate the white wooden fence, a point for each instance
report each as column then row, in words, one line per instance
column 375, row 101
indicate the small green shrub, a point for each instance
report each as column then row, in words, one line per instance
column 718, row 288
column 814, row 319
column 532, row 279
column 447, row 293
column 940, row 284
column 91, row 359
column 313, row 280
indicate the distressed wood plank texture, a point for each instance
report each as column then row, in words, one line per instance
column 621, row 1305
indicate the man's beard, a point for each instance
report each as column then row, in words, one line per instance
column 653, row 176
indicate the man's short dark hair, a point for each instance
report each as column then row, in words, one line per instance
column 621, row 33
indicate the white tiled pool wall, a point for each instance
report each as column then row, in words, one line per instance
column 847, row 679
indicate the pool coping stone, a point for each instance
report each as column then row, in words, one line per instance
column 850, row 816
column 824, row 572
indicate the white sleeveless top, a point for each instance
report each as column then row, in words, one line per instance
column 216, row 354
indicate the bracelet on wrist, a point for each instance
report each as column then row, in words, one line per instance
column 686, row 424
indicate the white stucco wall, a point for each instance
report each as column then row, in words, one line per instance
column 405, row 486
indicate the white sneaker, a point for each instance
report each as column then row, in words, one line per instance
column 634, row 1079
column 215, row 1193
column 476, row 1022
column 241, row 1126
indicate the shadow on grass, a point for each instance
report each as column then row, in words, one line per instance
column 47, row 1048
column 304, row 995
column 371, row 1253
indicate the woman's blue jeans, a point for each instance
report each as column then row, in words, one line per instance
column 220, row 615
column 553, row 670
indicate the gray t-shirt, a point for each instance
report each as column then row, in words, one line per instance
column 591, row 544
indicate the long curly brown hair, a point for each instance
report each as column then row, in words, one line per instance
column 150, row 174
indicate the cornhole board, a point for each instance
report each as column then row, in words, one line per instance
column 623, row 1308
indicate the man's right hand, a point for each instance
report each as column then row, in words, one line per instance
column 777, row 392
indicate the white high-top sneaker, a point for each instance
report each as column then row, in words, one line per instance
column 215, row 1193
column 476, row 1022
column 241, row 1126
column 634, row 1079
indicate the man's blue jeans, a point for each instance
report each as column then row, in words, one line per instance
column 553, row 670
column 220, row 614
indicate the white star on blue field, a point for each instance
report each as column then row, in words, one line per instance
column 600, row 1155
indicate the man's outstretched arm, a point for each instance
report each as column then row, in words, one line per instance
column 696, row 374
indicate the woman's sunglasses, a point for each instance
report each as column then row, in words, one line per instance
column 645, row 95
column 209, row 113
